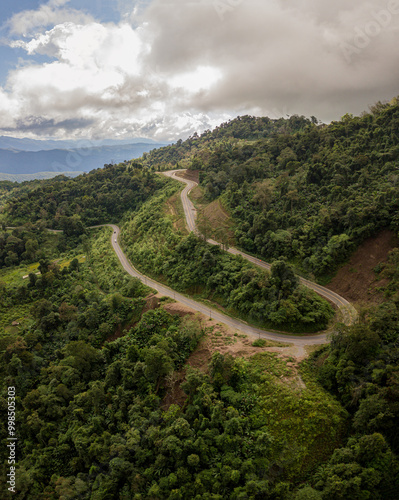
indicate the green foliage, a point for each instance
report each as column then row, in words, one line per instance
column 243, row 128
column 94, row 413
column 190, row 265
column 365, row 468
column 309, row 193
column 91, row 420
column 109, row 273
column 87, row 409
column 362, row 369
column 259, row 343
column 25, row 244
column 101, row 196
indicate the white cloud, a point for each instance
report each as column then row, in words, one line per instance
column 9, row 107
column 27, row 22
column 100, row 72
column 91, row 46
column 202, row 78
column 92, row 61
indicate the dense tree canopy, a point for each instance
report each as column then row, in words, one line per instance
column 297, row 189
column 100, row 196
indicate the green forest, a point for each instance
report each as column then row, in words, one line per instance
column 95, row 359
column 296, row 189
column 188, row 264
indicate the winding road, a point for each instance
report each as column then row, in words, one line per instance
column 348, row 311
column 197, row 306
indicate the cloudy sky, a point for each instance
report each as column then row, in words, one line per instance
column 165, row 68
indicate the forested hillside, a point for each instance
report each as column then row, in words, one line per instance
column 95, row 359
column 308, row 192
column 188, row 264
column 100, row 196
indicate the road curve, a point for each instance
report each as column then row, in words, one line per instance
column 190, row 212
column 349, row 313
column 298, row 340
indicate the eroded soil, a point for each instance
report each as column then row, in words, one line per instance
column 356, row 280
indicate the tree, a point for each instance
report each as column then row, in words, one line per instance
column 263, row 193
column 365, row 468
column 74, row 265
column 292, row 196
column 158, row 364
column 44, row 264
column 31, row 247
column 308, row 493
column 41, row 308
column 72, row 226
column 282, row 276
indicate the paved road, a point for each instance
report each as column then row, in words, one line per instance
column 197, row 306
column 190, row 212
column 349, row 313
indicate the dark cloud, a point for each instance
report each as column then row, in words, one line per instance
column 42, row 126
column 311, row 57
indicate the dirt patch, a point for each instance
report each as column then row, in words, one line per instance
column 226, row 340
column 356, row 280
column 178, row 309
column 191, row 175
column 151, row 302
column 229, row 341
column 174, row 393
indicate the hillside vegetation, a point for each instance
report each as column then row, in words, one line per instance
column 92, row 364
column 190, row 265
column 308, row 192
column 100, row 196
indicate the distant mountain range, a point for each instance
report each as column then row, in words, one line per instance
column 29, row 156
column 36, row 176
column 7, row 142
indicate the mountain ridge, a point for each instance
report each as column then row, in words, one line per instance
column 27, row 144
column 69, row 160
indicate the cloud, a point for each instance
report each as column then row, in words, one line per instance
column 43, row 126
column 100, row 80
column 27, row 22
column 282, row 54
column 171, row 67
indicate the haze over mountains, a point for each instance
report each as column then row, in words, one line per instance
column 26, row 144
column 29, row 156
